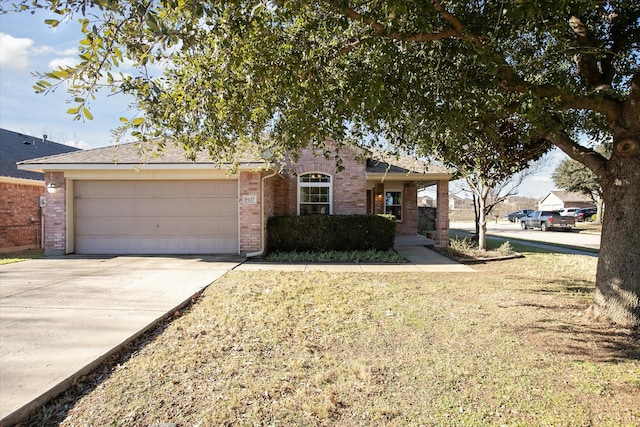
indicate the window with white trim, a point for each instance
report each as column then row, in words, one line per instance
column 393, row 204
column 314, row 194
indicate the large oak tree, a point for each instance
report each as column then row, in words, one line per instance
column 310, row 70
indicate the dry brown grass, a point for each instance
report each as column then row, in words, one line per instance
column 507, row 346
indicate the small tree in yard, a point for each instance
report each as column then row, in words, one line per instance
column 486, row 198
column 574, row 176
column 372, row 70
column 495, row 163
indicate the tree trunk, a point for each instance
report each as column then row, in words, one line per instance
column 476, row 213
column 600, row 204
column 617, row 293
column 482, row 220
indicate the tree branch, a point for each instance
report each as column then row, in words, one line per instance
column 511, row 81
column 506, row 75
column 458, row 26
column 384, row 31
column 590, row 158
column 586, row 62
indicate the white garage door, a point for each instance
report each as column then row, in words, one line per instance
column 156, row 217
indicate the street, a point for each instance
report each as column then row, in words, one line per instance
column 512, row 230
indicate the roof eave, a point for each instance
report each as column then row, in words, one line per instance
column 377, row 176
column 61, row 167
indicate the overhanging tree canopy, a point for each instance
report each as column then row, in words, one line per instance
column 308, row 70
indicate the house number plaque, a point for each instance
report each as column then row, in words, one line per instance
column 251, row 199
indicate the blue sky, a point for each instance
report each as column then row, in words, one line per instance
column 28, row 45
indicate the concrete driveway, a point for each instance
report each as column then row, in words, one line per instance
column 60, row 317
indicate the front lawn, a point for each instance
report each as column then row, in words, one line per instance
column 510, row 344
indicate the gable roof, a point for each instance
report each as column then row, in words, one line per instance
column 128, row 154
column 567, row 196
column 16, row 147
column 174, row 156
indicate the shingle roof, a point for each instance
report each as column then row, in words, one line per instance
column 404, row 166
column 569, row 196
column 391, row 164
column 16, row 147
column 132, row 153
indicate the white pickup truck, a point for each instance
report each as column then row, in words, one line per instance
column 547, row 220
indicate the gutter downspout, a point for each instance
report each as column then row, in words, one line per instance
column 262, row 224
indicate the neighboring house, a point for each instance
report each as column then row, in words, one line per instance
column 557, row 200
column 113, row 201
column 21, row 191
column 426, row 201
column 459, row 203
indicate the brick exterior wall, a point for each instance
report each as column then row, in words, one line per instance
column 20, row 216
column 442, row 214
column 349, row 184
column 409, row 223
column 280, row 198
column 55, row 212
column 249, row 214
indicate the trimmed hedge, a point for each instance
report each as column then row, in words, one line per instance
column 330, row 232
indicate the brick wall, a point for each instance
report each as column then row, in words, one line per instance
column 442, row 214
column 409, row 223
column 250, row 231
column 282, row 195
column 20, row 224
column 349, row 184
column 55, row 224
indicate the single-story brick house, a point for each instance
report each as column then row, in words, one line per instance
column 116, row 201
column 22, row 191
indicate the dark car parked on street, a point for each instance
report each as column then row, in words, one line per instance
column 515, row 216
column 585, row 214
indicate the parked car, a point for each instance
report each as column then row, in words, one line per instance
column 515, row 216
column 547, row 220
column 569, row 211
column 585, row 214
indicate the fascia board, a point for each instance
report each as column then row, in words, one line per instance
column 63, row 167
column 381, row 177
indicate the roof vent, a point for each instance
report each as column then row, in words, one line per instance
column 26, row 142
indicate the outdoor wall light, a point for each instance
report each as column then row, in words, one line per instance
column 52, row 188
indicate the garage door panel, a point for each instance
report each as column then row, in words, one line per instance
column 156, row 217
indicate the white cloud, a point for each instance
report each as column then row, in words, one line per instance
column 77, row 143
column 44, row 49
column 541, row 178
column 65, row 62
column 14, row 52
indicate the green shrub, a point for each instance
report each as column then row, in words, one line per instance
column 330, row 232
column 368, row 256
column 505, row 249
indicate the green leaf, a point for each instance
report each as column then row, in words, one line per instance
column 73, row 110
column 87, row 114
column 52, row 22
column 137, row 121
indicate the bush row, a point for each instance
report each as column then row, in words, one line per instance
column 330, row 232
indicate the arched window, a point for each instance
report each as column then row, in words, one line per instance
column 315, row 194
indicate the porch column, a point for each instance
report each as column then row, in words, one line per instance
column 442, row 214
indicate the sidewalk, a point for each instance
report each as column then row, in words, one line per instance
column 420, row 257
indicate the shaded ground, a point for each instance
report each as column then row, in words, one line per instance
column 511, row 345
